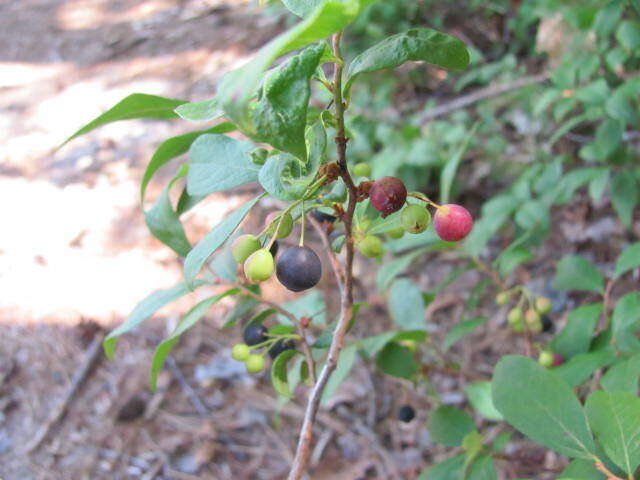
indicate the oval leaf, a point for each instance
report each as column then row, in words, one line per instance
column 416, row 44
column 542, row 406
column 279, row 373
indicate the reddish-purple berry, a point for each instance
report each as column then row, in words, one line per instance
column 388, row 195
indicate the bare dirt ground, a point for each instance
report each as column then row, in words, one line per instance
column 75, row 257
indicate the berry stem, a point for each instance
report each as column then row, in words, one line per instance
column 301, row 243
column 424, row 198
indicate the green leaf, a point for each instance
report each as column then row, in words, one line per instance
column 219, row 163
column 628, row 260
column 390, row 270
column 461, row 330
column 624, row 196
column 214, row 239
column 598, row 184
column 280, row 115
column 237, row 88
column 406, row 305
column 145, row 309
column 450, row 469
column 479, row 394
column 204, row 111
column 542, row 406
column 448, row 426
column 137, row 105
column 223, row 264
column 372, row 345
column 482, row 468
column 346, row 360
column 623, row 377
column 172, row 148
column 575, row 338
column 286, row 177
column 626, row 322
column 311, row 305
column 451, row 167
column 279, row 378
column 581, row 367
column 628, row 35
column 577, row 273
column 510, row 258
column 397, row 361
column 608, row 138
column 615, row 419
column 164, row 222
column 416, row 44
column 581, row 470
column 189, row 320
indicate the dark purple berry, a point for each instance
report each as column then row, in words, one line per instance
column 280, row 346
column 322, row 217
column 406, row 413
column 254, row 334
column 274, row 249
column 298, row 268
column 388, row 195
column 547, row 324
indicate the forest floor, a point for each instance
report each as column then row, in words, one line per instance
column 75, row 257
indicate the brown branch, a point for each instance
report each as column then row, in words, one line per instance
column 306, row 433
column 610, row 476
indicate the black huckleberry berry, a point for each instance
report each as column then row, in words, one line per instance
column 547, row 324
column 274, row 249
column 254, row 334
column 406, row 413
column 298, row 268
column 280, row 346
column 322, row 217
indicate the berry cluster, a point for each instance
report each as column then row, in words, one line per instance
column 256, row 336
column 297, row 268
column 529, row 314
column 389, row 195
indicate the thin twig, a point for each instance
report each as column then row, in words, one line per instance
column 91, row 357
column 481, row 94
column 326, row 243
column 306, row 433
column 189, row 392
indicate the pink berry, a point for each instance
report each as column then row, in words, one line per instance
column 388, row 195
column 452, row 222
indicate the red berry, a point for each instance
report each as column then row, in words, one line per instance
column 452, row 222
column 388, row 195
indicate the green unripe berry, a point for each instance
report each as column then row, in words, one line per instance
column 370, row 246
column 240, row 352
column 518, row 327
column 362, row 169
column 543, row 305
column 396, row 233
column 273, row 220
column 503, row 298
column 415, row 218
column 545, row 358
column 259, row 266
column 254, row 363
column 533, row 321
column 243, row 246
column 514, row 316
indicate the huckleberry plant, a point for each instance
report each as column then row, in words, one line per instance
column 268, row 102
column 286, row 150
